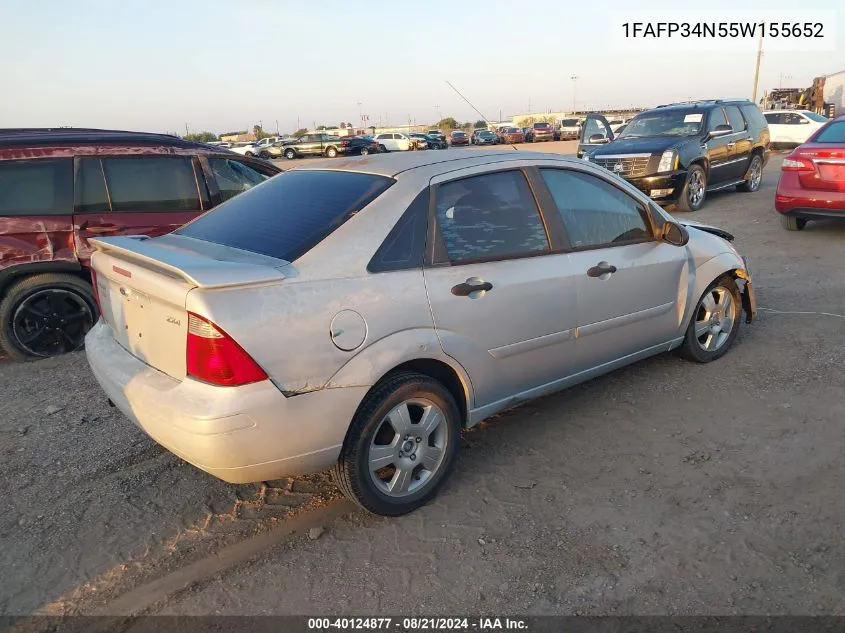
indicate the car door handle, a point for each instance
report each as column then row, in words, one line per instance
column 473, row 284
column 100, row 228
column 731, row 145
column 602, row 268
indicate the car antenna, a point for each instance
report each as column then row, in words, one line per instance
column 481, row 114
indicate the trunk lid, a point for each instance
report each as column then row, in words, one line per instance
column 143, row 285
column 829, row 163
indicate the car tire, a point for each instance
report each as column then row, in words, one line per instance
column 37, row 293
column 792, row 224
column 249, row 154
column 290, row 154
column 331, row 152
column 264, row 155
column 755, row 175
column 405, row 448
column 719, row 307
column 382, row 149
column 694, row 191
column 364, row 151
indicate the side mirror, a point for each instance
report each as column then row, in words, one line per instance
column 674, row 234
column 599, row 138
column 721, row 130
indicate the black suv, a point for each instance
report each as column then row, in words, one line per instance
column 677, row 153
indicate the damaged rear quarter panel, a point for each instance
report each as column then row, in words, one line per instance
column 29, row 239
column 285, row 326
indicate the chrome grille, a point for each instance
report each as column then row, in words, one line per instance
column 632, row 166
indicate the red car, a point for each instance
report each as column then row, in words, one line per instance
column 58, row 187
column 458, row 138
column 542, row 131
column 812, row 179
column 513, row 135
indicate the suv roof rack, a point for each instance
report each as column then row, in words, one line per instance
column 87, row 136
column 698, row 102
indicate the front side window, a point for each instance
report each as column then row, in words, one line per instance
column 717, row 118
column 151, row 183
column 488, row 217
column 90, row 190
column 594, row 212
column 774, row 118
column 36, row 187
column 233, row 177
column 735, row 119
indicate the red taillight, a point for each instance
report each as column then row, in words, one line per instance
column 796, row 162
column 344, row 143
column 214, row 357
column 96, row 291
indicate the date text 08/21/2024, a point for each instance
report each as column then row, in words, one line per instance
column 416, row 624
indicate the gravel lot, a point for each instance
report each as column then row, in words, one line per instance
column 665, row 487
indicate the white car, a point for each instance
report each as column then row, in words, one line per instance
column 394, row 141
column 244, row 149
column 618, row 124
column 792, row 127
column 570, row 129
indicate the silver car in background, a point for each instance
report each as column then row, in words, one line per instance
column 355, row 316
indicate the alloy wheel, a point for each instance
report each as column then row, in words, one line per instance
column 696, row 188
column 756, row 173
column 714, row 319
column 51, row 322
column 408, row 448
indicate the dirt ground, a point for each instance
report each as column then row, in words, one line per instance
column 663, row 488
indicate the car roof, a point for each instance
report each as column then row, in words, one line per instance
column 16, row 137
column 394, row 164
column 703, row 104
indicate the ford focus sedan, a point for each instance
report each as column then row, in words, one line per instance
column 357, row 316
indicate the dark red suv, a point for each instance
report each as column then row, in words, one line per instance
column 59, row 187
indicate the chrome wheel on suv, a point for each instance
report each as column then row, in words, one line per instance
column 695, row 189
column 755, row 175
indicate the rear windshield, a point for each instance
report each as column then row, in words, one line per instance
column 818, row 118
column 569, row 122
column 540, row 125
column 458, row 134
column 289, row 214
column 833, row 133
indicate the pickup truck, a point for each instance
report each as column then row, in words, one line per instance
column 324, row 145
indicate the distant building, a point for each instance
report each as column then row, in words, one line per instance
column 237, row 138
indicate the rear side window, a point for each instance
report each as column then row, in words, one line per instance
column 289, row 214
column 774, row 118
column 833, row 133
column 493, row 216
column 233, row 177
column 152, row 183
column 36, row 187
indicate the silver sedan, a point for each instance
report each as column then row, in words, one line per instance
column 356, row 316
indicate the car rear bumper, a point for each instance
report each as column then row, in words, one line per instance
column 238, row 434
column 794, row 200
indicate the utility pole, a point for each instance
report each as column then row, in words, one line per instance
column 782, row 77
column 277, row 127
column 757, row 66
column 439, row 113
column 186, row 130
column 360, row 114
column 574, row 79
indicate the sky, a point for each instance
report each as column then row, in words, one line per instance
column 223, row 65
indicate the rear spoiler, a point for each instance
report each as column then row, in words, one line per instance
column 195, row 268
